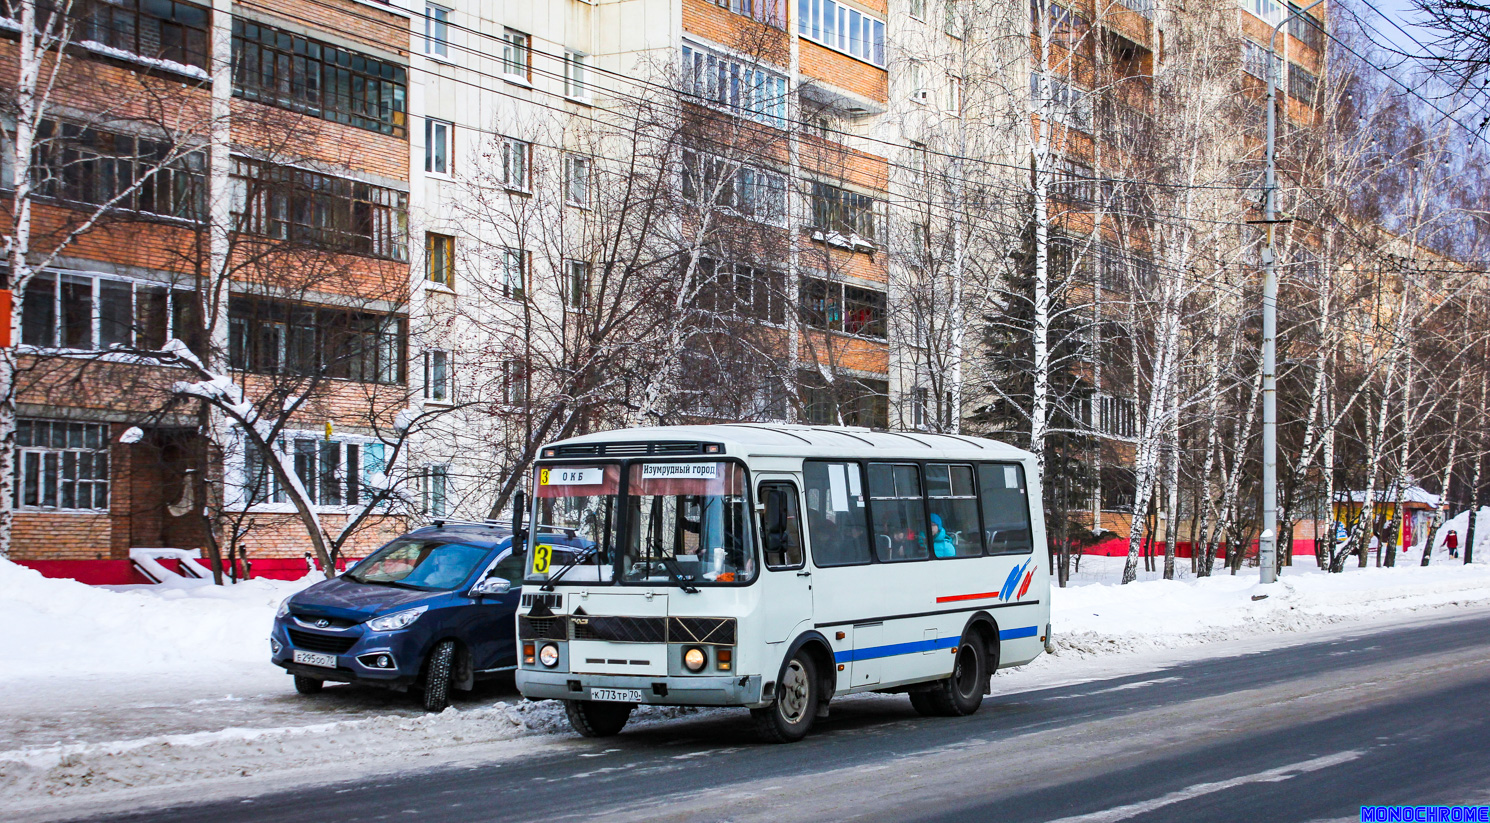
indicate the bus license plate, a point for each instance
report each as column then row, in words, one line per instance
column 312, row 659
column 617, row 695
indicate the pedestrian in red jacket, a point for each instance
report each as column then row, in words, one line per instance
column 1452, row 541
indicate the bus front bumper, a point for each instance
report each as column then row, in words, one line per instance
column 717, row 690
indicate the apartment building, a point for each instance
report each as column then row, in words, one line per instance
column 259, row 214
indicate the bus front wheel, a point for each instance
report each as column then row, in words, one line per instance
column 962, row 693
column 596, row 719
column 789, row 718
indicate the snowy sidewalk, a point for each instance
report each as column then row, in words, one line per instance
column 121, row 691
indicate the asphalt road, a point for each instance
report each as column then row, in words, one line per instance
column 1305, row 733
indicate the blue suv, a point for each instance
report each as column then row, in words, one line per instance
column 432, row 610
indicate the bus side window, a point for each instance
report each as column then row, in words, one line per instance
column 1006, row 510
column 954, row 511
column 899, row 516
column 781, row 526
column 835, row 513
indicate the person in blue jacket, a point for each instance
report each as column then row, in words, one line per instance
column 941, row 543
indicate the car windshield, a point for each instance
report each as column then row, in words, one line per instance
column 430, row 564
column 574, row 519
column 688, row 523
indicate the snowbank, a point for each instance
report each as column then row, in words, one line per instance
column 51, row 627
column 1108, row 618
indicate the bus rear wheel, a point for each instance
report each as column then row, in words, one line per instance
column 962, row 693
column 790, row 717
column 598, row 719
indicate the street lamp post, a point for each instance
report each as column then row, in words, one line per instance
column 1267, row 546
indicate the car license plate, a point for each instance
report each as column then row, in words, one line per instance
column 312, row 659
column 617, row 695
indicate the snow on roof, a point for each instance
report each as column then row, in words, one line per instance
column 780, row 439
column 1413, row 494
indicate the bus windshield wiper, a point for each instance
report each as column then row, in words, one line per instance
column 676, row 573
column 548, row 585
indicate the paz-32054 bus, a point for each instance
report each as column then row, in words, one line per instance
column 777, row 567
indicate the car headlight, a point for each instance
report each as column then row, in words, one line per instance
column 694, row 659
column 549, row 655
column 397, row 620
column 284, row 607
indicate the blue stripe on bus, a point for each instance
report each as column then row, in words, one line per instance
column 893, row 649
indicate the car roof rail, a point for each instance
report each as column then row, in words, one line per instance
column 442, row 522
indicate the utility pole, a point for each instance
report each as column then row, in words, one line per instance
column 1267, row 545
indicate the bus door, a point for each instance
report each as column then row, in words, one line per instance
column 786, row 595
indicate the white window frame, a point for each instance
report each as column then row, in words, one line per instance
column 517, row 55
column 439, row 147
column 517, row 156
column 514, row 274
column 953, row 101
column 576, row 87
column 51, row 460
column 577, row 284
column 439, row 376
column 844, row 29
column 577, row 173
column 371, row 453
column 735, row 85
column 436, row 30
column 754, row 193
column 435, row 490
column 516, row 383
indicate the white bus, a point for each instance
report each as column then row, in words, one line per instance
column 777, row 567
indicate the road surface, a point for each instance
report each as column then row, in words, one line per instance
column 1305, row 733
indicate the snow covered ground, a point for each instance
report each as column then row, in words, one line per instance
column 112, row 694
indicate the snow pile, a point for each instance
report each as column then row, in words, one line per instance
column 1098, row 619
column 62, row 627
column 1459, row 523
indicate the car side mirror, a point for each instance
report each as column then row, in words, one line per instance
column 491, row 586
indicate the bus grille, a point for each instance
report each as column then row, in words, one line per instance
column 719, row 631
column 542, row 628
column 621, row 629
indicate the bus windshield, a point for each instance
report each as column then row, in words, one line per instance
column 688, row 524
column 574, row 521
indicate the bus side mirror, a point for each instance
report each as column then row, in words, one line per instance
column 519, row 534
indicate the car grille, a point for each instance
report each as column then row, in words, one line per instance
column 320, row 642
column 621, row 629
column 719, row 631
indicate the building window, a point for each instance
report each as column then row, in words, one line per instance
column 770, row 12
column 514, row 273
column 925, row 411
column 439, row 252
column 514, row 382
column 1116, row 416
column 515, row 155
column 439, row 140
column 271, row 337
column 737, row 86
column 575, row 84
column 437, row 30
column 1070, row 105
column 734, row 291
column 918, row 9
column 953, row 104
column 283, row 69
column 858, row 402
column 843, row 29
column 1143, row 8
column 744, row 190
column 1269, row 10
column 577, row 180
column 87, row 312
column 952, row 18
column 1301, row 84
column 1072, row 182
column 436, row 487
column 577, row 287
column 88, row 165
column 517, row 55
column 1255, row 61
column 437, row 376
column 843, row 212
column 153, row 29
column 332, row 472
column 1306, row 28
column 62, row 465
column 332, row 213
column 840, row 307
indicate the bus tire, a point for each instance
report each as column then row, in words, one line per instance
column 598, row 719
column 790, row 715
column 923, row 704
column 962, row 693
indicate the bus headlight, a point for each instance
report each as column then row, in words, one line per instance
column 549, row 655
column 694, row 659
